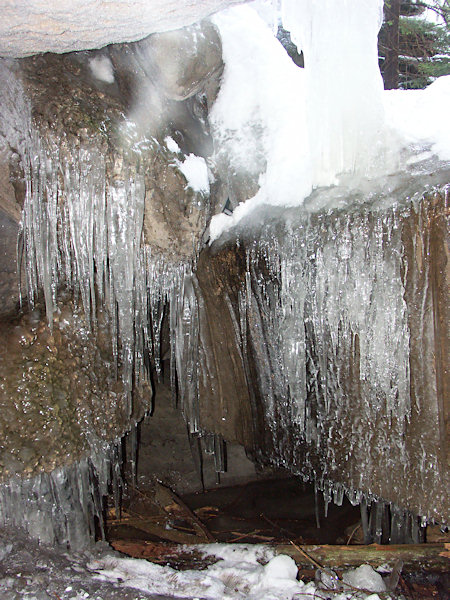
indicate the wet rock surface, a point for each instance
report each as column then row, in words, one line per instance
column 59, row 392
column 332, row 382
column 121, row 102
column 167, row 453
column 58, row 384
column 315, row 349
column 85, row 154
column 9, row 279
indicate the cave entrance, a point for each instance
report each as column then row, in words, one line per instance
column 175, row 494
column 268, row 510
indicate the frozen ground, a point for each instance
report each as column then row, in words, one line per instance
column 242, row 572
column 32, row 572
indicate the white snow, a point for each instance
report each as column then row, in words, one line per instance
column 260, row 113
column 171, row 144
column 102, row 68
column 344, row 85
column 238, row 575
column 302, row 128
column 195, row 169
column 422, row 117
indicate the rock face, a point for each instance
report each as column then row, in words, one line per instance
column 320, row 344
column 59, row 393
column 39, row 26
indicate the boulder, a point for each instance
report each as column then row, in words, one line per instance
column 28, row 28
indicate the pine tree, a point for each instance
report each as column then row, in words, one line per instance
column 412, row 50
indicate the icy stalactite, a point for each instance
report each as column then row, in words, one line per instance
column 63, row 507
column 339, row 279
column 83, row 231
column 328, row 309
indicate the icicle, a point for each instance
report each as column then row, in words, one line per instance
column 219, row 454
column 338, row 494
column 316, row 504
column 344, row 113
column 376, row 518
column 365, row 521
column 195, row 444
column 327, row 497
column 59, row 507
column 133, row 453
column 208, row 442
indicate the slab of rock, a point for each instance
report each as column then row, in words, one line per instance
column 28, row 28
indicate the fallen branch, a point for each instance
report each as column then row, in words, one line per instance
column 173, row 504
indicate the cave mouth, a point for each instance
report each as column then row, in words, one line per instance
column 276, row 509
column 174, row 490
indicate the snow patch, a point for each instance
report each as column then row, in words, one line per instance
column 195, row 169
column 422, row 117
column 171, row 144
column 238, row 574
column 102, row 68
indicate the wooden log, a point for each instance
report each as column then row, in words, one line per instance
column 427, row 556
column 434, row 557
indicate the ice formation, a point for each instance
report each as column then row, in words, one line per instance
column 82, row 230
column 335, row 294
column 330, row 123
column 344, row 87
column 66, row 506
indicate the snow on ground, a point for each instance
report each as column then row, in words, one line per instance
column 29, row 571
column 243, row 572
column 263, row 109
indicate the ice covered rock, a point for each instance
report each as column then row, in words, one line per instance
column 364, row 578
column 110, row 214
